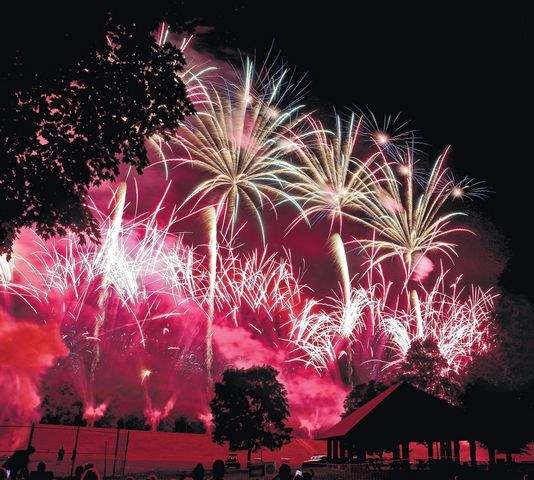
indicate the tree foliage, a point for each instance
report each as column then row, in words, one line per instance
column 361, row 394
column 509, row 364
column 503, row 417
column 250, row 410
column 70, row 128
column 426, row 368
column 62, row 406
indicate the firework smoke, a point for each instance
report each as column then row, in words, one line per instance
column 157, row 311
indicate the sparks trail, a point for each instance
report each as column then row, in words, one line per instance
column 176, row 290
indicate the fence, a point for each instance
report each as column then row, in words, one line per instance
column 106, row 449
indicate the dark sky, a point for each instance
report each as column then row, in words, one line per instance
column 459, row 72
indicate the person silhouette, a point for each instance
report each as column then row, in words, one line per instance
column 18, row 461
column 41, row 473
column 3, row 473
column 78, row 472
column 198, row 472
column 218, row 470
column 284, row 472
column 91, row 474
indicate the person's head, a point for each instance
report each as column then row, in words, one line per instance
column 198, row 472
column 91, row 474
column 41, row 467
column 3, row 473
column 218, row 469
column 284, row 472
column 152, row 477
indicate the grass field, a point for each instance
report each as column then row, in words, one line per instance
column 166, row 452
column 147, row 451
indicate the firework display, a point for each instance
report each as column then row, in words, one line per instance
column 183, row 286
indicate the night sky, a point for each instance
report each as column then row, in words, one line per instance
column 459, row 73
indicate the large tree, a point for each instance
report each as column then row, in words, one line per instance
column 509, row 363
column 83, row 85
column 250, row 410
column 360, row 395
column 426, row 368
column 503, row 417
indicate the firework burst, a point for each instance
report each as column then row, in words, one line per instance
column 409, row 225
column 240, row 139
column 328, row 179
column 456, row 318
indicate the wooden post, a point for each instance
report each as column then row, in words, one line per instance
column 105, row 459
column 115, row 454
column 30, row 438
column 74, row 452
column 405, row 451
column 448, row 450
column 335, row 455
column 491, row 455
column 473, row 453
column 342, row 452
column 329, row 449
column 126, row 453
column 456, row 451
column 396, row 456
column 442, row 450
column 430, row 450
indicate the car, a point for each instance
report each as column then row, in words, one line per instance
column 315, row 461
column 232, row 462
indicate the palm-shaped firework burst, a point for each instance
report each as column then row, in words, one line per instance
column 240, row 139
column 411, row 224
column 329, row 180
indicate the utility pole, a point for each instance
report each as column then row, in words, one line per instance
column 116, row 450
column 125, row 452
column 30, row 438
column 74, row 452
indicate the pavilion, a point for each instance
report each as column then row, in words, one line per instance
column 399, row 415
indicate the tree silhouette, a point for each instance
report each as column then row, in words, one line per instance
column 503, row 417
column 67, row 132
column 250, row 410
column 361, row 394
column 426, row 368
column 509, row 363
column 61, row 406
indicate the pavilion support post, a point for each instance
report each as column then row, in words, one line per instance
column 335, row 454
column 491, row 455
column 442, row 450
column 396, row 456
column 405, row 454
column 473, row 453
column 456, row 451
column 342, row 451
column 448, row 450
column 430, row 450
column 329, row 449
column 405, row 451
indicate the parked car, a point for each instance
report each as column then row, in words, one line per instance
column 315, row 461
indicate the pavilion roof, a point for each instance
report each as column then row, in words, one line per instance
column 401, row 412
